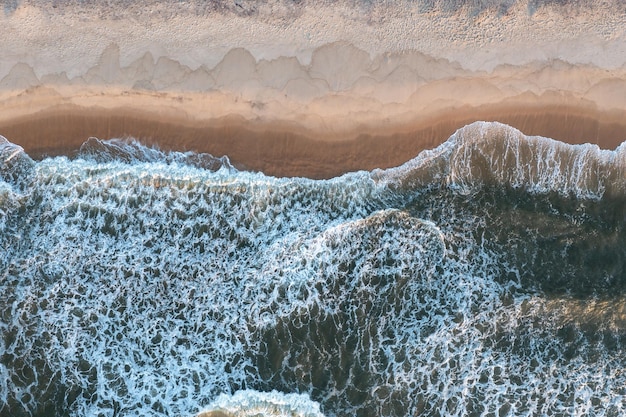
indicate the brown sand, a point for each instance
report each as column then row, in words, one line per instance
column 309, row 89
column 288, row 151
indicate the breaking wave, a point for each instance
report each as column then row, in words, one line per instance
column 131, row 151
column 494, row 154
column 253, row 403
column 486, row 276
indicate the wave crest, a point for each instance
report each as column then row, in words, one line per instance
column 130, row 150
column 495, row 154
column 271, row 404
column 15, row 164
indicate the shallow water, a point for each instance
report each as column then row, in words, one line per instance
column 484, row 277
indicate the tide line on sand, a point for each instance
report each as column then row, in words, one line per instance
column 282, row 148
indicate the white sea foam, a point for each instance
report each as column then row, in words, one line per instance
column 160, row 288
column 270, row 404
column 147, row 254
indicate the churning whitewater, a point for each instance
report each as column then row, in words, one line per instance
column 484, row 277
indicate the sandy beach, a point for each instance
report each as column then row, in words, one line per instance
column 446, row 265
column 310, row 90
column 282, row 150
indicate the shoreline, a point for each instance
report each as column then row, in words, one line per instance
column 281, row 149
column 309, row 88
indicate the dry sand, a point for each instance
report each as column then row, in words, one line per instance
column 313, row 90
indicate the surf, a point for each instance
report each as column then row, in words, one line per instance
column 138, row 281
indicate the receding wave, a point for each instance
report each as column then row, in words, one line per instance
column 486, row 276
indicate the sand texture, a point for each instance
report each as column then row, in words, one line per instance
column 313, row 88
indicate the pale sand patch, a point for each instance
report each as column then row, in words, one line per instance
column 70, row 38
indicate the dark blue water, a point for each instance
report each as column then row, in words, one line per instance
column 485, row 277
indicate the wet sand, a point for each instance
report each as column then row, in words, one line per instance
column 283, row 150
column 309, row 88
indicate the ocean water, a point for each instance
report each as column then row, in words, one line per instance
column 486, row 277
